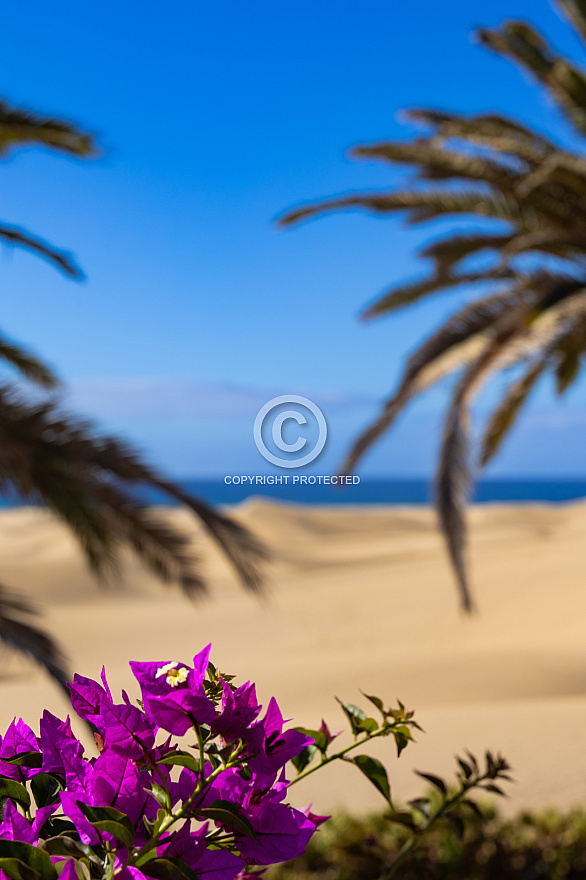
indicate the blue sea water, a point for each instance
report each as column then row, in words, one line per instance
column 388, row 491
column 370, row 491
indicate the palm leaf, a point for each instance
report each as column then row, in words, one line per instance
column 447, row 252
column 22, row 128
column 565, row 82
column 467, row 323
column 497, row 132
column 91, row 483
column 17, row 631
column 575, row 10
column 408, row 294
column 505, row 415
column 570, row 348
column 436, row 162
column 422, row 204
column 27, row 364
column 497, row 168
column 62, row 260
column 453, row 477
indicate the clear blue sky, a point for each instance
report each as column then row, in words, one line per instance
column 214, row 118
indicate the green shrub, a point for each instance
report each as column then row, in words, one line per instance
column 532, row 846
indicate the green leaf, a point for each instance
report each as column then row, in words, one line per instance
column 110, row 821
column 227, row 813
column 45, row 789
column 168, row 869
column 368, row 725
column 318, row 736
column 152, row 829
column 353, row 714
column 18, row 870
column 472, row 805
column 435, row 780
column 25, row 759
column 374, row 770
column 403, row 818
column 15, row 791
column 304, row 758
column 402, row 738
column 32, row 856
column 159, row 794
column 55, row 826
column 465, row 768
column 457, row 824
column 376, row 701
column 494, row 788
column 181, row 759
column 67, row 846
column 422, row 804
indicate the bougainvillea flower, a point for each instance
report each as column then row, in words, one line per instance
column 173, row 693
column 19, row 739
column 127, row 730
column 218, row 865
column 282, row 833
column 87, row 697
column 117, row 782
column 272, row 747
column 239, row 710
column 128, row 873
column 41, row 816
column 69, row 871
column 77, row 771
column 87, row 832
column 123, row 778
column 184, row 844
column 15, row 827
column 55, row 739
column 190, row 847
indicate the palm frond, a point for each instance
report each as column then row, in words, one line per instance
column 62, row 260
column 505, row 415
column 407, row 294
column 453, row 477
column 27, row 364
column 496, row 132
column 520, row 42
column 18, row 632
column 452, row 486
column 469, row 322
column 423, row 205
column 569, row 349
column 20, row 127
column 448, row 252
column 91, row 483
column 437, row 162
column 575, row 11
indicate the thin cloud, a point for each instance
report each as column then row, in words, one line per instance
column 153, row 397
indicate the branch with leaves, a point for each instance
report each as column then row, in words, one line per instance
column 93, row 483
column 520, row 247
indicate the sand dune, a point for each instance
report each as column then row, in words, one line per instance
column 360, row 598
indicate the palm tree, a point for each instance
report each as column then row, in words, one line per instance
column 522, row 245
column 90, row 481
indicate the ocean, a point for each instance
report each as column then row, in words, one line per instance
column 368, row 491
column 388, row 491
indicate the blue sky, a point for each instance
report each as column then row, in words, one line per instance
column 213, row 119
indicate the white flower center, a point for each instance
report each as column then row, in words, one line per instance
column 173, row 672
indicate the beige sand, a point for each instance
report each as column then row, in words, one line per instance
column 360, row 598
